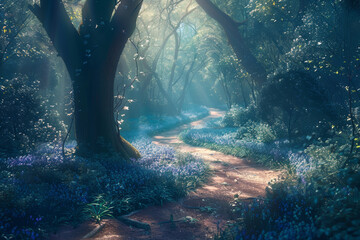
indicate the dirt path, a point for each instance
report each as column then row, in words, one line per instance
column 209, row 205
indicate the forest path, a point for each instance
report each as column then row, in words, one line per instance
column 209, row 205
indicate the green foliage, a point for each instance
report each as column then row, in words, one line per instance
column 261, row 132
column 249, row 152
column 59, row 191
column 239, row 116
column 25, row 120
column 314, row 198
column 297, row 101
column 99, row 209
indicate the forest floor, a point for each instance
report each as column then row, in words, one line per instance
column 201, row 213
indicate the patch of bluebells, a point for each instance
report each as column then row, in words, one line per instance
column 152, row 153
column 70, row 188
column 65, row 194
column 165, row 161
column 307, row 204
column 26, row 227
column 158, row 164
column 45, row 155
column 302, row 163
column 226, row 137
column 213, row 123
column 284, row 217
column 85, row 178
column 125, row 180
column 311, row 207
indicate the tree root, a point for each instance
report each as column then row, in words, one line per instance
column 94, row 232
column 134, row 223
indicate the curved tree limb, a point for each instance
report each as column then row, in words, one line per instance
column 61, row 31
column 236, row 40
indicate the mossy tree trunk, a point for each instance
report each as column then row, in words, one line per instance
column 91, row 55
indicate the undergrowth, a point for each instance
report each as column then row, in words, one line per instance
column 226, row 140
column 317, row 195
column 39, row 192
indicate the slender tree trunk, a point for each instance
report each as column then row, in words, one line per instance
column 187, row 82
column 243, row 94
column 173, row 67
column 289, row 126
column 348, row 48
column 226, row 91
column 145, row 83
column 1, row 66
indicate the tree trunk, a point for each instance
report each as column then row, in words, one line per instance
column 91, row 55
column 95, row 125
column 173, row 67
column 236, row 41
column 243, row 94
column 187, row 82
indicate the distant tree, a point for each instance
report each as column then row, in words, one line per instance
column 233, row 80
column 162, row 64
column 91, row 56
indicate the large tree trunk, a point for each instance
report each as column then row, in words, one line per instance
column 237, row 42
column 91, row 55
column 95, row 125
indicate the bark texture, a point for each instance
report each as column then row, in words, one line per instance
column 91, row 55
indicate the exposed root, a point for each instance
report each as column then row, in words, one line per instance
column 134, row 223
column 94, row 232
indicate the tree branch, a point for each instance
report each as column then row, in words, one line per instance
column 214, row 12
column 124, row 19
column 188, row 12
column 61, row 31
column 237, row 42
column 97, row 11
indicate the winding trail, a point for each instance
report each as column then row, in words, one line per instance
column 209, row 205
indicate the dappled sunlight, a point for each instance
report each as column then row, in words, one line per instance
column 211, row 188
column 179, row 119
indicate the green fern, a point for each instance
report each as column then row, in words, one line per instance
column 99, row 209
